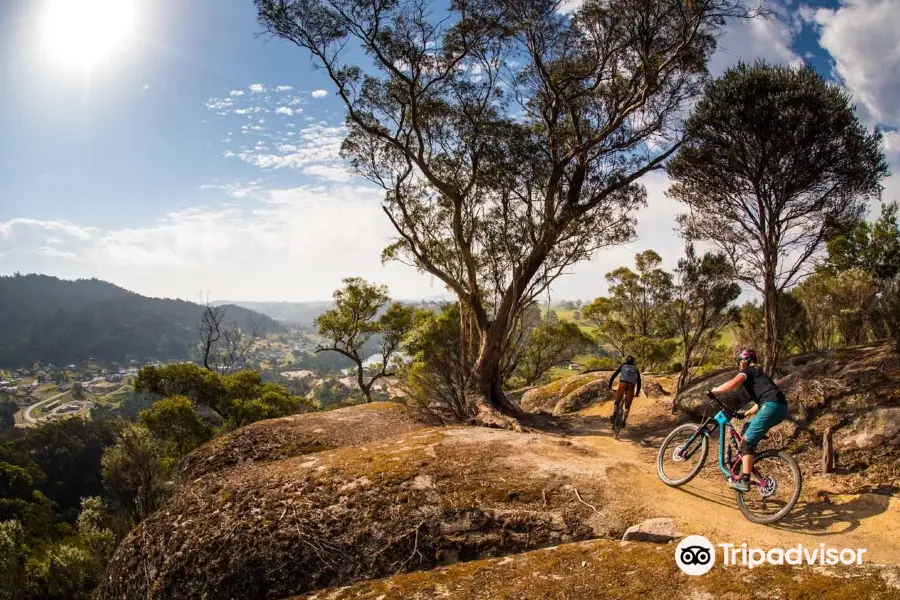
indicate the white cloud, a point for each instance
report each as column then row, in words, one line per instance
column 329, row 172
column 316, row 144
column 862, row 38
column 256, row 88
column 284, row 244
column 768, row 39
column 283, row 88
column 146, row 87
column 64, row 227
column 318, row 93
column 237, row 92
column 284, row 110
column 219, row 104
column 51, row 252
column 570, row 6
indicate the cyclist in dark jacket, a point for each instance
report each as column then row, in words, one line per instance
column 629, row 386
column 770, row 409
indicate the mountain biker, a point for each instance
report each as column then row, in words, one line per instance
column 629, row 386
column 770, row 409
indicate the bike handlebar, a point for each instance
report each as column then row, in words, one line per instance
column 728, row 411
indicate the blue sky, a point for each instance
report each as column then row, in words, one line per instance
column 198, row 157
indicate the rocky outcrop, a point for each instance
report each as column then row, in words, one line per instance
column 621, row 571
column 276, row 439
column 551, row 399
column 873, row 429
column 408, row 502
column 659, row 530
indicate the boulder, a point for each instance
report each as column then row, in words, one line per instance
column 873, row 429
column 405, row 503
column 584, row 396
column 659, row 530
column 692, row 398
column 652, row 389
column 296, row 435
column 544, row 399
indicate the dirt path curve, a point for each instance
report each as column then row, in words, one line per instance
column 706, row 506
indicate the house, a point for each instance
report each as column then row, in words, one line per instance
column 574, row 366
column 64, row 387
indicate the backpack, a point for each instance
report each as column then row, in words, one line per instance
column 629, row 374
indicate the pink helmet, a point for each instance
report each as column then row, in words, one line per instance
column 748, row 354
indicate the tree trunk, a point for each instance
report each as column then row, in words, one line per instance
column 486, row 398
column 828, row 451
column 770, row 308
column 360, row 378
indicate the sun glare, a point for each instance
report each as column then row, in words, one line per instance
column 83, row 33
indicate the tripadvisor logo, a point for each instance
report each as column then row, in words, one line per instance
column 695, row 555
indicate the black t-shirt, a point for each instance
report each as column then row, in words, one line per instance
column 760, row 386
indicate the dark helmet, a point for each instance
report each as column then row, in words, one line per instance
column 748, row 354
column 629, row 360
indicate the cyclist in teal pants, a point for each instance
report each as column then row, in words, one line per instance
column 770, row 409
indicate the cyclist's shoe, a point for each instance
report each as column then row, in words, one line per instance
column 741, row 485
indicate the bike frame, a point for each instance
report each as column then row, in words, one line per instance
column 726, row 429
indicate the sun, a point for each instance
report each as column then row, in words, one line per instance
column 83, row 33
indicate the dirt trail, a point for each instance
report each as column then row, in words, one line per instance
column 706, row 506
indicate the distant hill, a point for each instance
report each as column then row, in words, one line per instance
column 302, row 314
column 46, row 319
column 293, row 313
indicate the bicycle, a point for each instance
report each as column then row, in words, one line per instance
column 618, row 420
column 772, row 469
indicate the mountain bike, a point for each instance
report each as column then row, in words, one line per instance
column 774, row 484
column 618, row 420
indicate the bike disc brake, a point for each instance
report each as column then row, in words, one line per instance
column 768, row 486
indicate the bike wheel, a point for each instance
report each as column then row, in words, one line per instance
column 618, row 418
column 675, row 470
column 775, row 488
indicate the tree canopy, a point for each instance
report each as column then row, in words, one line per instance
column 509, row 138
column 354, row 321
column 775, row 161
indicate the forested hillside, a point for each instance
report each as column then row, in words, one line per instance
column 46, row 319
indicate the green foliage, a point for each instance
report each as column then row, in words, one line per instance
column 352, row 323
column 775, row 161
column 550, row 344
column 45, row 319
column 437, row 376
column 8, row 410
column 175, row 421
column 871, row 247
column 12, row 559
column 135, row 470
column 240, row 398
column 702, row 306
column 601, row 363
column 496, row 184
column 636, row 316
column 68, row 452
column 78, row 391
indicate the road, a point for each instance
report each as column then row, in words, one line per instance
column 26, row 414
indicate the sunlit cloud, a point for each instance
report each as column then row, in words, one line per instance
column 318, row 93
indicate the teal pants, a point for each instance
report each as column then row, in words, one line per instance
column 768, row 416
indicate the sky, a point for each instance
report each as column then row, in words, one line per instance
column 192, row 157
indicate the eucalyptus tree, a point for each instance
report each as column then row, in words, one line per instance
column 509, row 137
column 776, row 161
